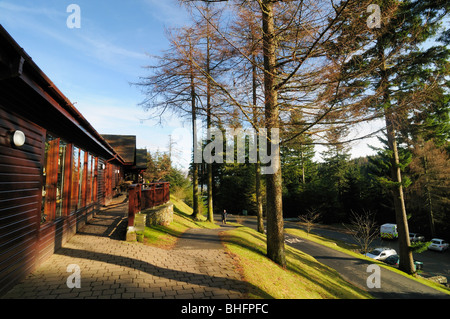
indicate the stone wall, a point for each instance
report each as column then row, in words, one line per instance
column 160, row 215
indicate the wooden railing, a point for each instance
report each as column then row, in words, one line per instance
column 155, row 194
column 143, row 196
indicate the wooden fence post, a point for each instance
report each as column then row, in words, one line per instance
column 131, row 205
column 166, row 192
column 134, row 202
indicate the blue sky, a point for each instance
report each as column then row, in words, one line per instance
column 94, row 65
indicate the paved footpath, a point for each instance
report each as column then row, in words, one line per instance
column 111, row 268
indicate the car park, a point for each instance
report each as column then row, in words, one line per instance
column 381, row 253
column 395, row 259
column 438, row 244
column 414, row 237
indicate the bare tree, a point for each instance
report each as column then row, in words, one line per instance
column 248, row 34
column 363, row 229
column 310, row 219
column 213, row 56
column 293, row 39
column 171, row 88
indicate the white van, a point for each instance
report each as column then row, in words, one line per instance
column 388, row 231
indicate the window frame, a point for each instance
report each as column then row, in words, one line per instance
column 74, row 176
column 55, row 174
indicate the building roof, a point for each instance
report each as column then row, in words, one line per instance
column 124, row 145
column 42, row 102
column 141, row 158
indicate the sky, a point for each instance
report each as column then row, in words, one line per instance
column 93, row 63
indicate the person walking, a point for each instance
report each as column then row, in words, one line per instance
column 224, row 216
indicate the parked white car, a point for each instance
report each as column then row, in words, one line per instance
column 381, row 253
column 438, row 244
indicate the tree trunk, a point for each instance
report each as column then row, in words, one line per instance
column 259, row 205
column 195, row 208
column 406, row 259
column 209, row 178
column 274, row 211
column 303, row 167
column 406, row 262
column 429, row 200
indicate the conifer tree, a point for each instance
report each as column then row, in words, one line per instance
column 430, row 191
column 393, row 75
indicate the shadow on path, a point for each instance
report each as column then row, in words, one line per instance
column 201, row 238
column 112, row 223
column 188, row 277
column 109, row 222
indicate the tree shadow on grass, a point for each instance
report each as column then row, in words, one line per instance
column 300, row 264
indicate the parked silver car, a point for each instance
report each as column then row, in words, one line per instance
column 381, row 253
column 413, row 237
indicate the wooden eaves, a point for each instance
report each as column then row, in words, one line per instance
column 25, row 85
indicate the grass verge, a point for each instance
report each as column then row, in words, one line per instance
column 166, row 236
column 303, row 278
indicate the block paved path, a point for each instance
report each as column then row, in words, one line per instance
column 111, row 268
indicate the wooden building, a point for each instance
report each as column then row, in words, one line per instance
column 135, row 160
column 56, row 171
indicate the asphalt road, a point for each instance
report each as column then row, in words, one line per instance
column 435, row 263
column 358, row 271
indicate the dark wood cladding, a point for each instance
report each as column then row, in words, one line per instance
column 54, row 234
column 31, row 103
column 20, row 195
column 24, row 242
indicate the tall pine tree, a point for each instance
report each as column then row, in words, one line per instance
column 394, row 74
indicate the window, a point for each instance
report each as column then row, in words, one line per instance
column 93, row 182
column 95, row 188
column 69, row 179
column 61, row 179
column 53, row 178
column 81, row 184
column 75, row 178
column 89, row 179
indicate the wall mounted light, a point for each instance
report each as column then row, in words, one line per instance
column 18, row 138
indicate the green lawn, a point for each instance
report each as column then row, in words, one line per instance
column 303, row 278
column 167, row 236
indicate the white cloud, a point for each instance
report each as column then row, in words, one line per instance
column 359, row 148
column 87, row 41
column 108, row 113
